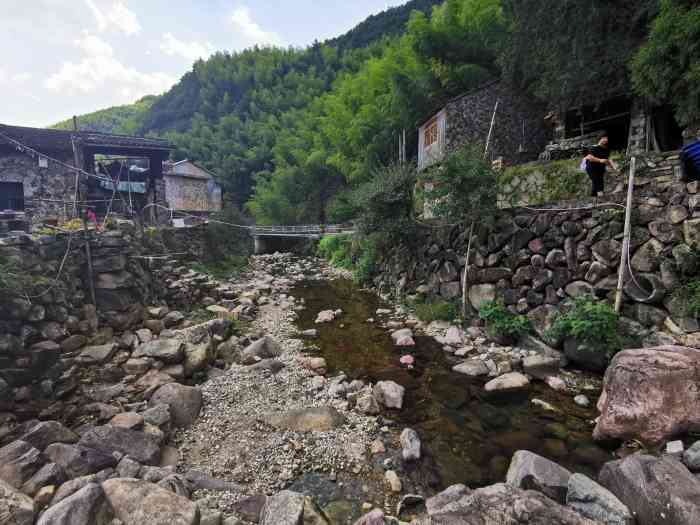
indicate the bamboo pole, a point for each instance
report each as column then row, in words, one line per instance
column 465, row 280
column 626, row 239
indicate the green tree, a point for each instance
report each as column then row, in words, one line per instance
column 666, row 69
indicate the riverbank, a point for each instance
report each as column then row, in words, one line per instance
column 307, row 400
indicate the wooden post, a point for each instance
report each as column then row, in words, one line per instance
column 626, row 238
column 88, row 255
column 465, row 283
column 493, row 123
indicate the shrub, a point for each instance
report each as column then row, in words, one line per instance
column 501, row 322
column 337, row 249
column 351, row 253
column 591, row 321
column 429, row 311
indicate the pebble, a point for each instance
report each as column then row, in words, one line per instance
column 582, row 401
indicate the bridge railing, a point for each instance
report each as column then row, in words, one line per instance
column 308, row 229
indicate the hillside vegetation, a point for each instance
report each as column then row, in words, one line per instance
column 294, row 134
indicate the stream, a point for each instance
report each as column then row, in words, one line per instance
column 469, row 434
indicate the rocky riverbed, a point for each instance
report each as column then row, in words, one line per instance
column 305, row 400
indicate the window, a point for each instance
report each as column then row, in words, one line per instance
column 431, row 133
column 11, row 196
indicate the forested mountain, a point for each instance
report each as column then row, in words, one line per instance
column 389, row 23
column 128, row 119
column 293, row 133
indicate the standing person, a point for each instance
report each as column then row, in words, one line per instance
column 597, row 162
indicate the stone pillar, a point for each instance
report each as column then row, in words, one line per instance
column 637, row 142
column 260, row 245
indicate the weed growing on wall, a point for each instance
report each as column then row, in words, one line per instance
column 590, row 321
column 502, row 323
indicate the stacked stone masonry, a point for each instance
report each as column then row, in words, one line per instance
column 49, row 318
column 535, row 260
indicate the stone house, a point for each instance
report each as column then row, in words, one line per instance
column 33, row 183
column 519, row 132
column 191, row 188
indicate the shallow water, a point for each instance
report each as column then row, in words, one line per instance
column 469, row 435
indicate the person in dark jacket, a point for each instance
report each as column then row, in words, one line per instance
column 597, row 162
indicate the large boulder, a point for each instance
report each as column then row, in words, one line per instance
column 594, row 501
column 389, row 394
column 650, row 394
column 15, row 507
column 136, row 501
column 541, row 366
column 265, row 348
column 589, row 355
column 530, row 471
column 47, row 432
column 97, row 355
column 170, row 351
column 284, row 508
column 19, row 461
column 321, row 419
column 88, row 506
column 500, row 504
column 656, row 490
column 78, row 460
column 109, row 439
column 184, row 402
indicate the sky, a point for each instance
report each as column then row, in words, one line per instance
column 69, row 57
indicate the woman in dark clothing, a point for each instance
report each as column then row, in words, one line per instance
column 596, row 163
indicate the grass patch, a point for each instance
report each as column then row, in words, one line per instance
column 429, row 311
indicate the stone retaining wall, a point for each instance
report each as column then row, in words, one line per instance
column 49, row 318
column 535, row 260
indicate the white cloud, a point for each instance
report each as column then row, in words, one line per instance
column 100, row 69
column 118, row 17
column 171, row 46
column 3, row 76
column 21, row 78
column 251, row 30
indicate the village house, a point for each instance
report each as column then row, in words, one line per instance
column 191, row 189
column 37, row 178
column 519, row 131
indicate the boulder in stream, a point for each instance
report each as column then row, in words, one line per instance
column 650, row 394
column 389, row 394
column 530, row 471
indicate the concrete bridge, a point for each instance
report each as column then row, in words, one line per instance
column 284, row 238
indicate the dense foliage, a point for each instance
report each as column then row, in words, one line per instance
column 358, row 254
column 463, row 188
column 128, row 119
column 667, row 68
column 574, row 52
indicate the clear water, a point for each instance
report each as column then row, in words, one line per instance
column 469, row 436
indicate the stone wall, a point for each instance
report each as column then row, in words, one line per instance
column 469, row 118
column 535, row 260
column 41, row 185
